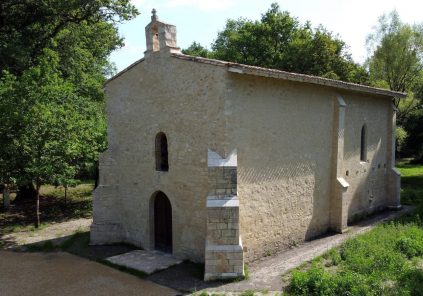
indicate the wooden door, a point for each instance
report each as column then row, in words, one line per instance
column 162, row 223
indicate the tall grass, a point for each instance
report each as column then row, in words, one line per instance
column 385, row 261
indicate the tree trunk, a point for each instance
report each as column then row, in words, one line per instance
column 6, row 197
column 37, row 209
column 66, row 194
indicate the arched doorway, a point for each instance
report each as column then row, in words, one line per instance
column 162, row 223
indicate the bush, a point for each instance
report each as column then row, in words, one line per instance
column 401, row 136
column 334, row 257
column 317, row 281
column 374, row 253
column 409, row 247
column 411, row 283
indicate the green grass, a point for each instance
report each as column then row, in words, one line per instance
column 247, row 293
column 21, row 216
column 246, row 272
column 385, row 261
column 20, row 228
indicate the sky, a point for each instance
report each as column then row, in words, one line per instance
column 197, row 20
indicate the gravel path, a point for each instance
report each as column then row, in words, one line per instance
column 64, row 274
column 57, row 232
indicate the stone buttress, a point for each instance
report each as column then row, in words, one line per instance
column 224, row 252
column 106, row 227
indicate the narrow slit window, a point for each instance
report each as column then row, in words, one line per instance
column 363, row 144
column 162, row 163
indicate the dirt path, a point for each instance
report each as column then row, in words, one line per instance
column 65, row 274
column 267, row 273
column 52, row 232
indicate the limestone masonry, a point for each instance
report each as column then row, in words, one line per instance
column 203, row 153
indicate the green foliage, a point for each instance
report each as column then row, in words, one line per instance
column 411, row 282
column 49, row 130
column 410, row 247
column 401, row 136
column 334, row 257
column 53, row 62
column 246, row 271
column 33, row 26
column 411, row 181
column 317, row 281
column 279, row 41
column 247, row 293
column 384, row 261
column 197, row 50
column 397, row 49
column 413, row 146
column 55, row 210
column 396, row 60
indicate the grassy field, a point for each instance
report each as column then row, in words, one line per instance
column 386, row 261
column 53, row 207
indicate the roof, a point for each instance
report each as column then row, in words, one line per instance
column 278, row 74
column 124, row 70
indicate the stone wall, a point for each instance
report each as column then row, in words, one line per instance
column 107, row 223
column 183, row 100
column 284, row 133
column 369, row 180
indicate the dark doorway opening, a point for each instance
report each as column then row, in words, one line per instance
column 162, row 223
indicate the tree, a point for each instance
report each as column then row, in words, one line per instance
column 197, row 50
column 279, row 41
column 50, row 131
column 53, row 62
column 29, row 26
column 396, row 61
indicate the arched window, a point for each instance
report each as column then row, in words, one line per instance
column 363, row 144
column 162, row 163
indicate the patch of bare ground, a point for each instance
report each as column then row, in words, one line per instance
column 57, row 232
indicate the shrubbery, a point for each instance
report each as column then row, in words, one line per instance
column 386, row 261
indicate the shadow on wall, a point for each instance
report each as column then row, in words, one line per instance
column 369, row 192
column 316, row 228
column 303, row 187
column 368, row 180
column 296, row 202
column 267, row 172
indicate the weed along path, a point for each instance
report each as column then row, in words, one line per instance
column 266, row 274
column 64, row 274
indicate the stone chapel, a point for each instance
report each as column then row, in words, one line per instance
column 221, row 163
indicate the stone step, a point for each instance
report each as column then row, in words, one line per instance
column 145, row 261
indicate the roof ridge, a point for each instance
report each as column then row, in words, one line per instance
column 298, row 77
